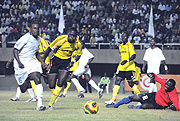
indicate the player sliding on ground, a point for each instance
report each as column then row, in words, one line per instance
column 166, row 97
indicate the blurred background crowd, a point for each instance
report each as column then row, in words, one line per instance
column 98, row 21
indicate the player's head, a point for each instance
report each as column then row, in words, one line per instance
column 170, row 85
column 125, row 37
column 152, row 42
column 34, row 28
column 72, row 35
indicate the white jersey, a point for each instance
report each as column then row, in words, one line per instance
column 85, row 57
column 28, row 46
column 153, row 58
column 83, row 60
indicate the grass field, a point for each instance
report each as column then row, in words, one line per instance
column 71, row 108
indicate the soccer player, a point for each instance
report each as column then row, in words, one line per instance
column 126, row 67
column 153, row 57
column 83, row 69
column 166, row 97
column 63, row 48
column 42, row 47
column 26, row 65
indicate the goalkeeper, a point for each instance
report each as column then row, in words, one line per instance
column 166, row 97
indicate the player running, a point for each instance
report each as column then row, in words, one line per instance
column 83, row 69
column 26, row 66
column 63, row 48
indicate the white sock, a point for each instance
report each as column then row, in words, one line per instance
column 18, row 92
column 94, row 85
column 154, row 88
column 77, row 84
column 39, row 92
column 151, row 86
column 31, row 92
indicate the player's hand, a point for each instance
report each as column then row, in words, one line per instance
column 151, row 75
column 44, row 65
column 7, row 64
column 172, row 107
column 124, row 62
column 21, row 65
column 70, row 65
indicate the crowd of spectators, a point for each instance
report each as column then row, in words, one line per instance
column 100, row 21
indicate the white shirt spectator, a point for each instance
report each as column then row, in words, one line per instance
column 153, row 58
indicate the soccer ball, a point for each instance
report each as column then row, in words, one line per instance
column 91, row 107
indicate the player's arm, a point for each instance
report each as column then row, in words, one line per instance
column 44, row 65
column 46, row 53
column 89, row 61
column 144, row 66
column 9, row 62
column 16, row 56
column 128, row 60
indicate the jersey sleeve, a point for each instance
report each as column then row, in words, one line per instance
column 160, row 79
column 131, row 49
column 21, row 43
column 161, row 56
column 57, row 42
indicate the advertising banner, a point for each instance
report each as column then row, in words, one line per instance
column 144, row 84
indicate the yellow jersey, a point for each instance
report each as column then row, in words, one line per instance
column 63, row 49
column 126, row 51
column 42, row 48
column 137, row 74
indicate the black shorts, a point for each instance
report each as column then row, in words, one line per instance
column 150, row 98
column 128, row 75
column 58, row 64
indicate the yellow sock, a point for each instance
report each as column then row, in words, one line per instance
column 33, row 86
column 67, row 87
column 50, row 89
column 55, row 94
column 115, row 91
column 77, row 89
column 135, row 89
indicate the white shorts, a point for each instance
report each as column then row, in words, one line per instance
column 82, row 70
column 22, row 74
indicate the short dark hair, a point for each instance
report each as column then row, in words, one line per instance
column 172, row 81
column 34, row 21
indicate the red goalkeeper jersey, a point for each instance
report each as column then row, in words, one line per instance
column 163, row 98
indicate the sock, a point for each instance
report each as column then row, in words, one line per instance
column 154, row 88
column 94, row 85
column 18, row 92
column 33, row 87
column 67, row 87
column 77, row 84
column 125, row 100
column 135, row 89
column 50, row 89
column 151, row 87
column 55, row 94
column 31, row 92
column 39, row 92
column 115, row 91
column 138, row 107
column 77, row 89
